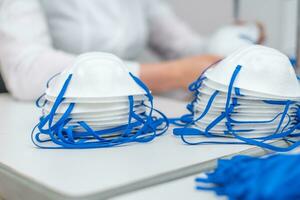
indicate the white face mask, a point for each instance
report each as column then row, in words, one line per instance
column 97, row 103
column 264, row 70
column 241, row 107
column 97, row 100
column 242, row 92
column 253, row 92
column 91, row 107
column 244, row 106
column 102, row 76
column 222, row 127
column 103, row 122
column 208, row 91
column 115, row 114
column 102, row 114
column 248, row 133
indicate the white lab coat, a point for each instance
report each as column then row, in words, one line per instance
column 41, row 38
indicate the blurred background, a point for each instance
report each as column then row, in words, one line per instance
column 278, row 16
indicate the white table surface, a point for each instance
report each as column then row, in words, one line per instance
column 76, row 173
column 175, row 190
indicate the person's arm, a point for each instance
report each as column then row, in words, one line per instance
column 26, row 54
column 169, row 36
column 172, row 39
column 176, row 74
column 27, row 57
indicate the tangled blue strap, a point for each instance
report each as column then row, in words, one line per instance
column 141, row 127
column 248, row 178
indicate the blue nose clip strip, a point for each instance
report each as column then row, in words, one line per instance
column 142, row 127
column 283, row 131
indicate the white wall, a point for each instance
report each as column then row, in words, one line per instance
column 278, row 16
column 204, row 16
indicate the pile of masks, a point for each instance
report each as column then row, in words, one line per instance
column 96, row 103
column 252, row 95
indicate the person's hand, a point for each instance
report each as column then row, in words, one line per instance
column 189, row 69
column 175, row 74
column 262, row 36
column 261, row 28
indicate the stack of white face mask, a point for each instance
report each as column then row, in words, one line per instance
column 97, row 103
column 252, row 95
